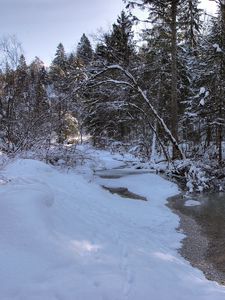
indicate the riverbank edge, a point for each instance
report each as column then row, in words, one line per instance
column 195, row 244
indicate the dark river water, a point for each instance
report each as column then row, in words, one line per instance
column 210, row 216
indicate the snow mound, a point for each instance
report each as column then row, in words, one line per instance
column 27, row 167
column 64, row 237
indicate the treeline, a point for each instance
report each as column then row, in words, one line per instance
column 163, row 93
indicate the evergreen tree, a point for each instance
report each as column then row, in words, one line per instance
column 118, row 45
column 84, row 50
column 58, row 68
column 23, row 107
column 38, row 92
column 171, row 41
column 189, row 20
column 16, row 105
column 77, row 73
column 211, row 103
column 66, row 73
column 8, row 108
column 189, row 52
column 58, row 79
column 155, row 70
column 107, row 116
column 166, row 12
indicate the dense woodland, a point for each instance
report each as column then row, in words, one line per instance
column 161, row 91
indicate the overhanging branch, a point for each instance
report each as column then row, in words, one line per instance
column 136, row 87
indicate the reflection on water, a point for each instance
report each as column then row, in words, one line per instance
column 210, row 215
column 121, row 172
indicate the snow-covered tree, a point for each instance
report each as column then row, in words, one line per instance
column 58, row 79
column 211, row 85
column 10, row 51
column 84, row 50
column 107, row 115
column 118, row 44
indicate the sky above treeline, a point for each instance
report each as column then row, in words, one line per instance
column 41, row 24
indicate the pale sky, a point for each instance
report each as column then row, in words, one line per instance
column 41, row 24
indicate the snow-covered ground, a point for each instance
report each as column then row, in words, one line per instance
column 63, row 237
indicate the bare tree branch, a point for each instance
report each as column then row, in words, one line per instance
column 136, row 87
column 10, row 51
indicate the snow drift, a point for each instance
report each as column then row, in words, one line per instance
column 64, row 237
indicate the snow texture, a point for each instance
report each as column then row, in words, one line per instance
column 202, row 102
column 217, row 48
column 202, row 90
column 63, row 237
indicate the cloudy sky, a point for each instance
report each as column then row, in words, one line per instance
column 41, row 24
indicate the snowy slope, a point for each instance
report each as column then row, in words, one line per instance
column 65, row 238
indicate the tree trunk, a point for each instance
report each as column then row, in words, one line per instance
column 153, row 148
column 173, row 103
column 222, row 94
column 134, row 85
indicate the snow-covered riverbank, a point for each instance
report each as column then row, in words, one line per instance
column 63, row 237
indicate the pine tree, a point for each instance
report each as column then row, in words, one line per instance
column 118, row 45
column 107, row 114
column 58, row 78
column 22, row 97
column 16, row 105
column 190, row 22
column 58, row 68
column 39, row 97
column 84, row 50
column 8, row 108
column 77, row 73
column 211, row 86
column 189, row 52
column 166, row 12
column 155, row 70
column 171, row 46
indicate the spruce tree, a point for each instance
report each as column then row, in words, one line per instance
column 77, row 73
column 211, row 84
column 166, row 12
column 38, row 91
column 118, row 45
column 58, row 79
column 84, row 50
column 8, row 108
column 190, row 22
column 107, row 113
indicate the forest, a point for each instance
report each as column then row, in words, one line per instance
column 112, row 156
column 158, row 93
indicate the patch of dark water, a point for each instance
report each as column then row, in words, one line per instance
column 124, row 192
column 204, row 226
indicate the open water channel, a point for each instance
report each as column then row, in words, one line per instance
column 202, row 220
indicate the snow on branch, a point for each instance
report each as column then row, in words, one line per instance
column 107, row 81
column 133, row 4
column 153, row 129
column 135, row 86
